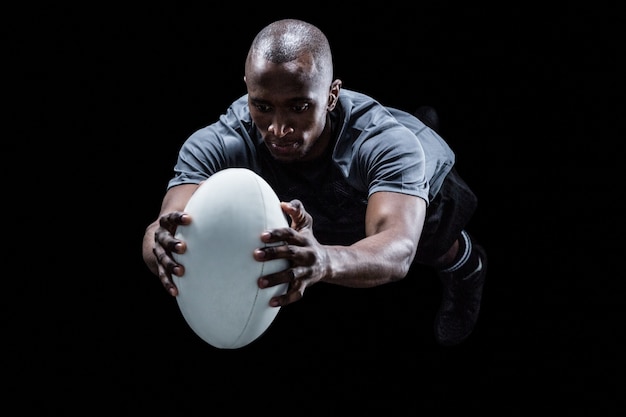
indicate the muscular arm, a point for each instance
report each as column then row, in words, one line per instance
column 393, row 225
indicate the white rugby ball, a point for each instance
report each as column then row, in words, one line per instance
column 218, row 294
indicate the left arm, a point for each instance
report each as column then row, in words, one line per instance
column 393, row 225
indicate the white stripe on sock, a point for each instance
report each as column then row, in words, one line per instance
column 464, row 257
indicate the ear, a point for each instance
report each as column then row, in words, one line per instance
column 333, row 95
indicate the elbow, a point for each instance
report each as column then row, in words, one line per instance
column 407, row 257
column 400, row 272
column 403, row 262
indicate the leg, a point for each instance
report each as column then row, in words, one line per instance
column 463, row 283
column 461, row 264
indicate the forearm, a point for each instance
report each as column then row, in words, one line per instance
column 373, row 261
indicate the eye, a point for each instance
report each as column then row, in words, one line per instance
column 262, row 108
column 301, row 107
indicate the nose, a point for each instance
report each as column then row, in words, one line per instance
column 279, row 128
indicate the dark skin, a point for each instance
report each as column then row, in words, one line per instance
column 289, row 104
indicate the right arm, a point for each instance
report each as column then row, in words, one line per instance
column 159, row 242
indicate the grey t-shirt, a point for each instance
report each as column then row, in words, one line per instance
column 376, row 148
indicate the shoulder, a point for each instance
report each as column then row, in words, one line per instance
column 239, row 109
column 225, row 142
column 365, row 117
column 357, row 107
column 363, row 120
column 364, row 113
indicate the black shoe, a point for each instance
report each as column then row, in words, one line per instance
column 460, row 304
column 428, row 116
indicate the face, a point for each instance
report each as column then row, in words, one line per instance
column 289, row 105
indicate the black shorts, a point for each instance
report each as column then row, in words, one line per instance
column 446, row 216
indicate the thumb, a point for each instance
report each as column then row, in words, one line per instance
column 300, row 219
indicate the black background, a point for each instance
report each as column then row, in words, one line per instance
column 529, row 98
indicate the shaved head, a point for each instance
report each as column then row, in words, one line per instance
column 289, row 39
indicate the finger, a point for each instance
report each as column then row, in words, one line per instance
column 171, row 221
column 277, row 278
column 166, row 281
column 269, row 253
column 300, row 218
column 295, row 293
column 165, row 261
column 283, row 235
column 166, row 239
column 296, row 255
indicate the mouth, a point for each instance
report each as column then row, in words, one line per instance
column 283, row 148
